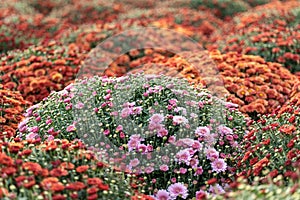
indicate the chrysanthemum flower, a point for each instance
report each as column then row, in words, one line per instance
column 178, row 190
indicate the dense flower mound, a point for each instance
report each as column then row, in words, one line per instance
column 180, row 133
column 272, row 34
column 256, row 85
column 221, row 8
column 58, row 169
column 272, row 146
column 12, row 106
column 37, row 71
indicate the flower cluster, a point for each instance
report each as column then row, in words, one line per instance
column 58, row 169
column 12, row 106
column 169, row 132
column 275, row 37
column 256, row 85
column 39, row 70
column 272, row 146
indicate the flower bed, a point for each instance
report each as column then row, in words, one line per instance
column 272, row 33
column 59, row 169
column 256, row 85
column 272, row 147
column 22, row 26
column 216, row 129
column 39, row 70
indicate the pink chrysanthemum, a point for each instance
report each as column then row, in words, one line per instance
column 224, row 130
column 163, row 195
column 212, row 154
column 156, row 118
column 178, row 190
column 164, row 168
column 162, row 132
column 135, row 162
column 219, row 165
column 71, row 128
column 202, row 131
column 199, row 171
column 184, row 156
column 180, row 120
column 126, row 112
